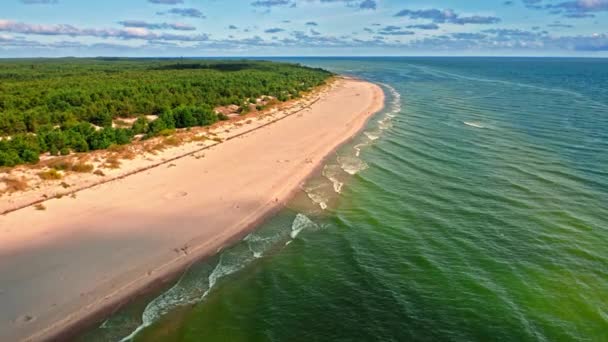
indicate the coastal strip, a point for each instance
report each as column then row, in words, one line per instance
column 81, row 258
column 141, row 156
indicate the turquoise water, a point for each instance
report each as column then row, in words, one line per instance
column 473, row 208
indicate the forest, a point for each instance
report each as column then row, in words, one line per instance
column 61, row 106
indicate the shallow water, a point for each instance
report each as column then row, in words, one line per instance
column 472, row 208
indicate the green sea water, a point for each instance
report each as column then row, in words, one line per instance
column 474, row 207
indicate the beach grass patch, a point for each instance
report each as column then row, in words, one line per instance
column 167, row 132
column 172, row 141
column 82, row 168
column 117, row 148
column 60, row 165
column 14, row 184
column 199, row 138
column 112, row 163
column 51, row 174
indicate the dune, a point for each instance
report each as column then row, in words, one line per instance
column 70, row 260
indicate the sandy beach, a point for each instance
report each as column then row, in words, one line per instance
column 84, row 254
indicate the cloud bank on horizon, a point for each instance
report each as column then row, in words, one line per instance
column 303, row 27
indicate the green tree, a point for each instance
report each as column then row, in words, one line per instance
column 140, row 126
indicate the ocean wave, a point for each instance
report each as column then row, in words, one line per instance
column 188, row 290
column 385, row 123
column 395, row 105
column 332, row 172
column 258, row 244
column 300, row 223
column 318, row 192
column 372, row 136
column 474, row 124
column 230, row 262
column 443, row 74
column 357, row 149
column 352, row 165
column 197, row 282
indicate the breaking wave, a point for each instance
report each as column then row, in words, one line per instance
column 197, row 282
column 332, row 172
column 358, row 148
column 352, row 165
column 319, row 192
column 371, row 136
column 395, row 105
column 300, row 223
column 386, row 122
column 473, row 124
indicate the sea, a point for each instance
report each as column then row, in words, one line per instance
column 474, row 207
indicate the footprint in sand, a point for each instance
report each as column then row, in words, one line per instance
column 174, row 195
column 24, row 319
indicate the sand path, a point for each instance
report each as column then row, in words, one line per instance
column 79, row 256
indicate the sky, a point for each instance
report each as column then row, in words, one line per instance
column 173, row 28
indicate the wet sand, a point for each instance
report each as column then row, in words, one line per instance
column 82, row 256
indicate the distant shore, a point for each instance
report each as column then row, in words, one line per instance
column 77, row 259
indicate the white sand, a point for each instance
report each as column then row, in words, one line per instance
column 60, row 265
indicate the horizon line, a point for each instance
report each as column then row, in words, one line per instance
column 307, row 56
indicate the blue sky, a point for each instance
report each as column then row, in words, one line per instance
column 32, row 28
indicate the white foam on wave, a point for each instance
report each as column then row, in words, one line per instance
column 317, row 198
column 187, row 290
column 319, row 192
column 395, row 106
column 134, row 333
column 473, row 124
column 258, row 244
column 358, row 147
column 300, row 223
column 196, row 283
column 227, row 265
column 332, row 172
column 352, row 165
column 385, row 123
column 372, row 136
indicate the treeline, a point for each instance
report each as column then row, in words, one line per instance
column 83, row 137
column 52, row 105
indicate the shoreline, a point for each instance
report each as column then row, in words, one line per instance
column 200, row 247
column 151, row 166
